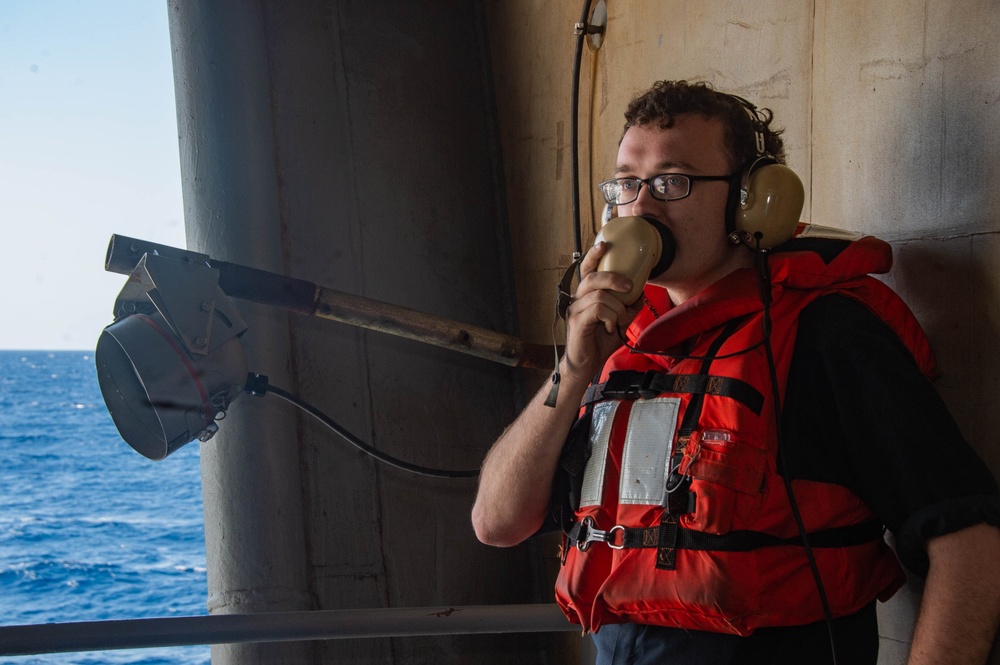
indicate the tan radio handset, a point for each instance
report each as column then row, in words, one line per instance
column 637, row 248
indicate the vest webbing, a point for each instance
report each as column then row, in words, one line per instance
column 737, row 541
column 631, row 384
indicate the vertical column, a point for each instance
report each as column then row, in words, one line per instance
column 254, row 525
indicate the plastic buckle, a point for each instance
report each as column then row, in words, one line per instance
column 626, row 385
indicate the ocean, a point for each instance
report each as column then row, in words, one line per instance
column 89, row 529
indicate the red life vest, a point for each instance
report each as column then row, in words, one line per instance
column 683, row 470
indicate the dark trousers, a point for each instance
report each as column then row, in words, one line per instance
column 856, row 639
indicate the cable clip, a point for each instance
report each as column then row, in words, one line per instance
column 256, row 384
column 580, row 28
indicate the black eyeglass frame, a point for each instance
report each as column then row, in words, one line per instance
column 652, row 190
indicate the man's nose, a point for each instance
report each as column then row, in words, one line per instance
column 644, row 202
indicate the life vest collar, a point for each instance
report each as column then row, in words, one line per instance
column 811, row 260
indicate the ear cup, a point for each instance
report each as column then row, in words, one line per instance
column 772, row 205
column 765, row 202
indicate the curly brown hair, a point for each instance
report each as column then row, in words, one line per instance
column 667, row 99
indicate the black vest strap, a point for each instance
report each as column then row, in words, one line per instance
column 630, row 384
column 746, row 541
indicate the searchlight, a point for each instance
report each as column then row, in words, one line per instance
column 173, row 360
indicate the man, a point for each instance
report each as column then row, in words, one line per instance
column 728, row 547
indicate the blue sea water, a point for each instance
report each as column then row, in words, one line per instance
column 89, row 529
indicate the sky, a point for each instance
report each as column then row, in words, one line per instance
column 88, row 148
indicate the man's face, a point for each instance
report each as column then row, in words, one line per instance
column 693, row 146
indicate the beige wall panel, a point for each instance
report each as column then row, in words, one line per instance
column 532, row 45
column 906, row 131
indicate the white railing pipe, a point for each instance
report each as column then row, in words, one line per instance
column 280, row 627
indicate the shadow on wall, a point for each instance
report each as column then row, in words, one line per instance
column 946, row 269
column 931, row 132
column 951, row 285
column 947, row 253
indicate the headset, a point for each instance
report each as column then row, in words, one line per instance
column 766, row 199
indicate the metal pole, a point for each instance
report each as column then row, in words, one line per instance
column 280, row 627
column 300, row 296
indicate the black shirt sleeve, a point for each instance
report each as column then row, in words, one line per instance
column 858, row 412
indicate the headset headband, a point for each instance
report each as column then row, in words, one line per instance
column 756, row 123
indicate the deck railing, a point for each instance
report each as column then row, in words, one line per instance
column 280, row 627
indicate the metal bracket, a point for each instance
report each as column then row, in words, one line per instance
column 188, row 296
column 597, row 25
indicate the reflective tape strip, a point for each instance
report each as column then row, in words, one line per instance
column 646, row 460
column 600, row 434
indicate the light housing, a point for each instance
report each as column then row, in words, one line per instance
column 173, row 360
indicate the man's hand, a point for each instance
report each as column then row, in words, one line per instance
column 595, row 319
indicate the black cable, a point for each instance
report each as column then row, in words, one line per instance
column 582, row 29
column 765, row 296
column 575, row 126
column 257, row 385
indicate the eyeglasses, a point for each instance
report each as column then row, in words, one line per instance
column 665, row 187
